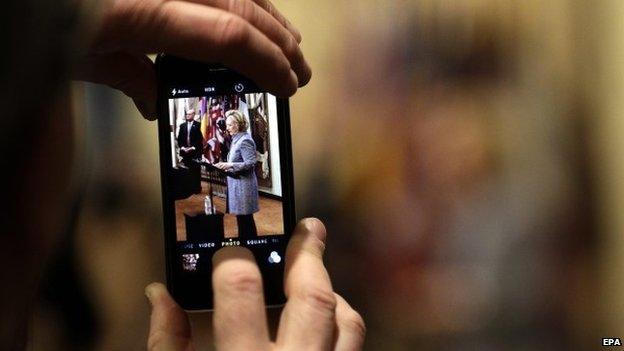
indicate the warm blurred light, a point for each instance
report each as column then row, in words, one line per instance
column 466, row 156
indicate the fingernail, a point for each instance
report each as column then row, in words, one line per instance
column 298, row 36
column 150, row 292
column 315, row 226
column 295, row 30
column 309, row 225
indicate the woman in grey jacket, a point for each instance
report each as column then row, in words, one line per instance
column 242, row 184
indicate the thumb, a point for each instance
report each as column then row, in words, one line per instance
column 170, row 329
column 133, row 74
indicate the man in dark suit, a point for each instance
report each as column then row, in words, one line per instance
column 190, row 140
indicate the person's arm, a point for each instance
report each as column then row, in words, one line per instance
column 314, row 318
column 199, row 139
column 251, row 37
column 181, row 137
column 248, row 152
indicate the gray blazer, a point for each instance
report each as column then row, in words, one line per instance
column 242, row 185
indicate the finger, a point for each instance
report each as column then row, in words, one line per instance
column 272, row 10
column 240, row 321
column 200, row 33
column 133, row 74
column 170, row 329
column 269, row 25
column 308, row 319
column 211, row 34
column 350, row 327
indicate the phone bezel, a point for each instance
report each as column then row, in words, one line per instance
column 173, row 71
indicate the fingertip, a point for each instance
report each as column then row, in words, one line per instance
column 147, row 110
column 341, row 302
column 283, row 88
column 170, row 328
column 294, row 31
column 304, row 72
column 231, row 252
column 293, row 83
column 351, row 325
column 234, row 272
column 309, row 236
column 306, row 75
column 316, row 227
column 153, row 291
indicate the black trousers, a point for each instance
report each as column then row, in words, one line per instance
column 246, row 227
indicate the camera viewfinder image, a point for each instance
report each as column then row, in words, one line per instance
column 226, row 167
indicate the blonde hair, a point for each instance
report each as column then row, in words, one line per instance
column 239, row 118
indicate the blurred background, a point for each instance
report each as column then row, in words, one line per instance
column 466, row 157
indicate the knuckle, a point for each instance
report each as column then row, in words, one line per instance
column 270, row 8
column 280, row 65
column 124, row 23
column 243, row 282
column 291, row 48
column 163, row 20
column 244, row 8
column 233, row 31
column 319, row 299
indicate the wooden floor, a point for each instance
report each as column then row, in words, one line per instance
column 269, row 220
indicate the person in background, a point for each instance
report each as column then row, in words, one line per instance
column 190, row 140
column 242, row 184
column 52, row 42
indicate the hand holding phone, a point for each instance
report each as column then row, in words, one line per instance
column 314, row 317
column 228, row 224
column 243, row 34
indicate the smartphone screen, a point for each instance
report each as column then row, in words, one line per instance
column 226, row 173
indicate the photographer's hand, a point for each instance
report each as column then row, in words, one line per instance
column 314, row 318
column 249, row 36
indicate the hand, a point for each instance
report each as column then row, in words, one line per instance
column 224, row 165
column 314, row 318
column 249, row 36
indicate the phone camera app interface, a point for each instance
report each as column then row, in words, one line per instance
column 225, row 175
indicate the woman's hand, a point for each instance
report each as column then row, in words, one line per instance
column 249, row 36
column 314, row 318
column 224, row 165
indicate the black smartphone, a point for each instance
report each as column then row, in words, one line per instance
column 226, row 174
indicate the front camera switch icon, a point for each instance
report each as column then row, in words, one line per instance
column 274, row 257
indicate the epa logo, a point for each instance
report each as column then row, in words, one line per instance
column 611, row 342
